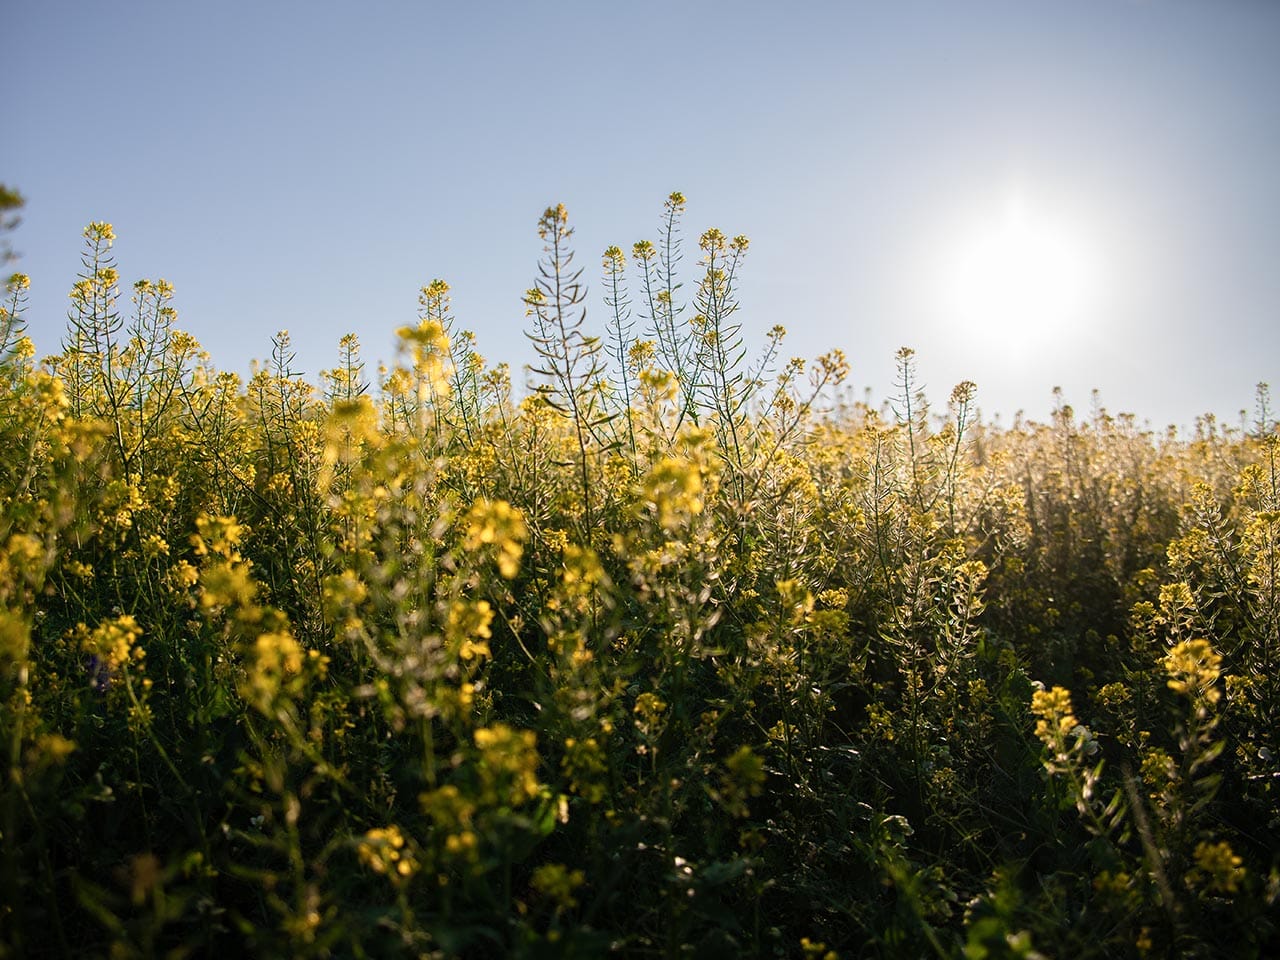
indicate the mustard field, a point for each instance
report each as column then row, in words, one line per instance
column 679, row 652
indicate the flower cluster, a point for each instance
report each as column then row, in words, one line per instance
column 1194, row 668
column 498, row 525
column 385, row 851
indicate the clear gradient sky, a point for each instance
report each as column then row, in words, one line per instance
column 1031, row 194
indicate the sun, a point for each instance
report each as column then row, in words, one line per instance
column 1019, row 279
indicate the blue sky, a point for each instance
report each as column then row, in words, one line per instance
column 310, row 165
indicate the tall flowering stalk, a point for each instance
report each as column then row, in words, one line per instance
column 571, row 360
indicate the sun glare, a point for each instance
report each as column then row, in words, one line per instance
column 1020, row 278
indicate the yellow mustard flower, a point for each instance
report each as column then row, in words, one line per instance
column 558, row 883
column 385, row 851
column 1056, row 722
column 1193, row 669
column 508, row 764
column 497, row 523
column 1217, row 868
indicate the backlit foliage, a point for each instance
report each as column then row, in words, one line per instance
column 682, row 652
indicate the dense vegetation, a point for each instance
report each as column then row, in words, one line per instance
column 682, row 653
